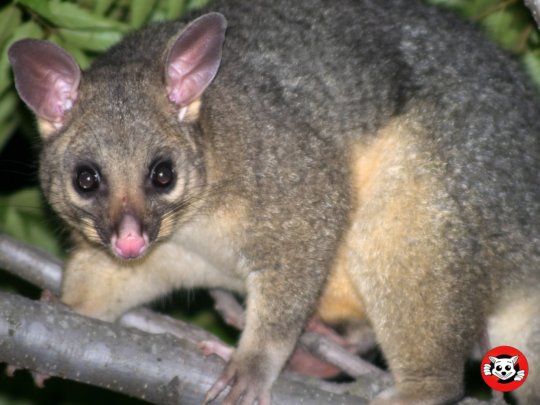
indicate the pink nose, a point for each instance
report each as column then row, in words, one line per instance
column 129, row 242
column 130, row 247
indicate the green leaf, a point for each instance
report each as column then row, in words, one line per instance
column 73, row 50
column 22, row 216
column 117, row 12
column 480, row 8
column 158, row 16
column 7, row 128
column 29, row 29
column 534, row 38
column 40, row 7
column 175, row 8
column 532, row 65
column 11, row 220
column 195, row 4
column 40, row 234
column 26, row 30
column 5, row 76
column 140, row 10
column 26, row 201
column 7, row 104
column 91, row 41
column 85, row 3
column 102, row 6
column 68, row 15
column 78, row 54
column 10, row 19
column 500, row 25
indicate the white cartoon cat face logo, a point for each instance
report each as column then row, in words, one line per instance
column 504, row 368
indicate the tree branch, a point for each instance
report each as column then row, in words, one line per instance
column 31, row 263
column 40, row 268
column 159, row 368
column 149, row 363
column 534, row 6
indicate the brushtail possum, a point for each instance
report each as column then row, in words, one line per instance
column 360, row 159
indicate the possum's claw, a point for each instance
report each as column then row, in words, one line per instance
column 219, row 385
column 248, row 383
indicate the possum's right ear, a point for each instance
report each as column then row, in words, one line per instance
column 193, row 60
column 47, row 79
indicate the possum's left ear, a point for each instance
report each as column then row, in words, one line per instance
column 493, row 359
column 514, row 359
column 193, row 60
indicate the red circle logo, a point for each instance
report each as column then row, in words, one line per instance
column 504, row 368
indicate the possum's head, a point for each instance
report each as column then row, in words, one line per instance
column 504, row 367
column 122, row 160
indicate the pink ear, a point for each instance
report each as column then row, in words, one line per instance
column 194, row 58
column 46, row 76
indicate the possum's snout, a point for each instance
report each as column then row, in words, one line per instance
column 129, row 242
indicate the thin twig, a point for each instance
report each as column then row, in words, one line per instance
column 493, row 9
column 229, row 309
column 523, row 38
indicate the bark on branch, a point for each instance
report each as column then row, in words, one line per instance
column 534, row 6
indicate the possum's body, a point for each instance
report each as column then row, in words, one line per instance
column 374, row 160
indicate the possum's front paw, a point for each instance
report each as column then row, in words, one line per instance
column 249, row 381
column 520, row 375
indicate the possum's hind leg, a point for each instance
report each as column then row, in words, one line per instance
column 516, row 323
column 409, row 256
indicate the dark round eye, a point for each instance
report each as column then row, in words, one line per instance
column 499, row 368
column 87, row 179
column 163, row 175
column 507, row 367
